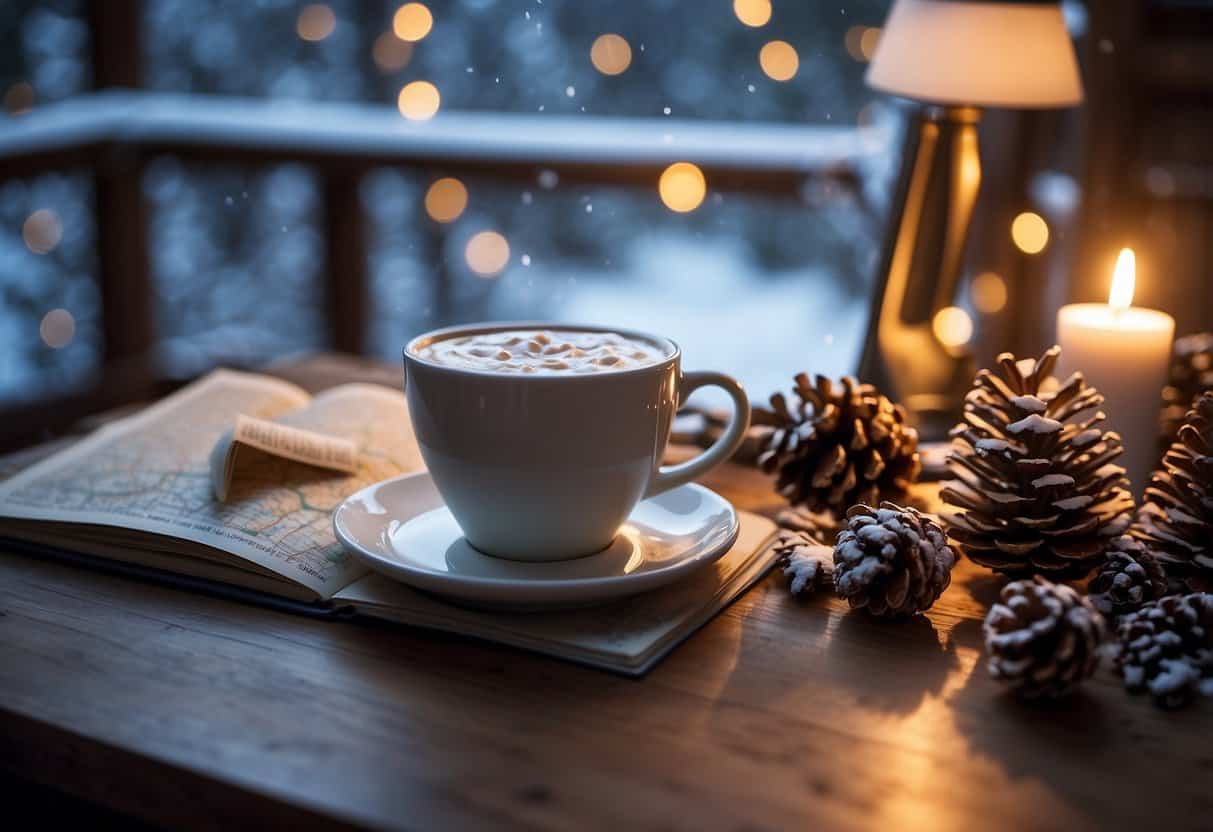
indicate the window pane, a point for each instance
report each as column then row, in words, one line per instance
column 237, row 263
column 50, row 337
column 681, row 58
column 757, row 286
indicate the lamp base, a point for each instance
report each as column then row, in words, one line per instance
column 920, row 266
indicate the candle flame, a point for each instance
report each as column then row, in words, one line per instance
column 1123, row 279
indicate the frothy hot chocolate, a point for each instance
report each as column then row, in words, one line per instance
column 543, row 351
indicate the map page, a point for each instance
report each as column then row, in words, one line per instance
column 150, row 473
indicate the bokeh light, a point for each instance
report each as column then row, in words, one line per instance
column 682, row 187
column 610, row 54
column 390, row 53
column 19, row 98
column 419, row 100
column 952, row 326
column 988, row 293
column 1030, row 232
column 868, row 42
column 446, row 199
column 57, row 329
column 412, row 22
column 487, row 253
column 315, row 22
column 752, row 12
column 861, row 42
column 42, row 231
column 779, row 60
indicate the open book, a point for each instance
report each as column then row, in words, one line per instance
column 140, row 491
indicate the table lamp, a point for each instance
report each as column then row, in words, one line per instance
column 955, row 57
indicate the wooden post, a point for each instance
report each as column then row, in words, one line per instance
column 346, row 282
column 114, row 28
column 124, row 273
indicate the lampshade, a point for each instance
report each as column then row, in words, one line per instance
column 996, row 53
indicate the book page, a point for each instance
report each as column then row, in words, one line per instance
column 151, row 473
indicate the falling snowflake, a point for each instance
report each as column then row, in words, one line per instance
column 570, row 91
column 526, row 261
column 666, row 110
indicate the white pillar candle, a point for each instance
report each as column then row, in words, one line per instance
column 1124, row 351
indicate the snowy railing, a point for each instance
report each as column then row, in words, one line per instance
column 115, row 133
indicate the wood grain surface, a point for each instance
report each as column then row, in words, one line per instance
column 198, row 713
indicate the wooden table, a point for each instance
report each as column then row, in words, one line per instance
column 199, row 713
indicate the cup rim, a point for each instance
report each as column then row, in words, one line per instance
column 410, row 354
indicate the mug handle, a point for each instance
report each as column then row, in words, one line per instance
column 672, row 476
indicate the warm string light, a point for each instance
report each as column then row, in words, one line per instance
column 611, row 54
column 446, row 200
column 419, row 101
column 315, row 22
column 487, row 253
column 753, row 13
column 861, row 41
column 779, row 60
column 390, row 53
column 57, row 329
column 988, row 293
column 42, row 231
column 952, row 326
column 412, row 22
column 682, row 187
column 1030, row 232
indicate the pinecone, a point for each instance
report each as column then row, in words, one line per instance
column 1130, row 577
column 1191, row 376
column 841, row 444
column 1035, row 482
column 805, row 561
column 1166, row 647
column 894, row 561
column 1042, row 638
column 1176, row 519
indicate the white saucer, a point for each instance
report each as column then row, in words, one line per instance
column 401, row 528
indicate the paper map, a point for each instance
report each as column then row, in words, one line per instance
column 151, row 473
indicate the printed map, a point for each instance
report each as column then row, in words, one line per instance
column 152, row 473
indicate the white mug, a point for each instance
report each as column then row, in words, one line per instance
column 547, row 467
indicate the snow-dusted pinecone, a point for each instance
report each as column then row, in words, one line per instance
column 1176, row 517
column 839, row 444
column 1166, row 647
column 1036, row 487
column 1042, row 638
column 894, row 561
column 1191, row 376
column 1130, row 577
column 805, row 561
